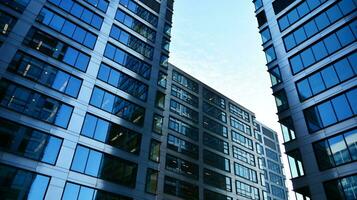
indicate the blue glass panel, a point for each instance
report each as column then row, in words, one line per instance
column 114, row 78
column 332, row 44
column 283, row 22
column 327, row 114
column 353, row 61
column 90, row 40
column 341, row 107
column 38, row 188
column 316, row 83
column 313, row 119
column 82, row 62
column 97, row 97
column 293, row 16
column 303, row 9
column 334, row 14
column 57, row 22
column 270, row 54
column 119, row 56
column 352, row 99
column 103, row 73
column 343, row 69
column 80, row 159
column 339, row 150
column 265, row 34
column 66, row 5
column 60, row 81
column 304, row 89
column 307, row 57
column 89, row 125
column 63, row 116
column 351, row 140
column 52, row 149
column 345, row 36
column 300, row 35
column 77, row 10
column 97, row 21
column 289, row 42
column 313, row 4
column 109, row 51
column 93, row 163
column 319, row 50
column 68, row 28
column 322, row 21
column 310, row 28
column 87, row 16
column 86, row 193
column 296, row 64
column 79, row 35
column 71, row 56
column 74, row 85
column 108, row 102
column 347, row 6
column 70, row 192
column 329, row 76
column 101, row 130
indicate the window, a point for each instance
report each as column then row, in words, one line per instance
column 245, row 172
column 180, row 188
column 184, row 81
column 66, row 27
column 122, row 81
column 244, row 156
column 183, row 128
column 56, row 49
column 210, row 195
column 184, row 95
column 215, row 143
column 326, row 46
column 165, row 44
column 111, row 134
column 272, row 155
column 240, row 113
column 237, row 124
column 265, row 34
column 216, row 161
column 100, row 4
column 182, row 146
column 131, row 41
column 117, row 106
column 287, row 128
column 151, row 181
column 28, row 142
column 242, row 140
column 21, row 184
column 344, row 188
column 7, row 23
column 277, row 191
column 214, row 112
column 276, row 179
column 162, row 80
column 140, row 11
column 270, row 54
column 275, row 75
column 247, row 191
column 45, row 74
column 135, row 25
column 19, row 6
column 157, row 124
column 127, row 60
column 154, row 150
column 295, row 163
column 337, row 150
column 303, row 193
column 258, row 4
column 280, row 5
column 79, row 12
column 281, row 100
column 330, row 112
column 167, row 29
column 104, row 166
column 217, row 180
column 34, row 104
column 215, row 127
column 164, row 61
column 183, row 111
column 261, row 17
column 214, row 98
column 181, row 166
column 160, row 100
column 274, row 167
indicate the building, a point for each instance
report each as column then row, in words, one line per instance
column 310, row 47
column 91, row 109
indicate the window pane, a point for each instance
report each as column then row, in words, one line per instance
column 339, row 150
column 80, row 159
column 316, row 83
column 332, row 43
column 323, row 155
column 304, row 89
column 351, row 140
column 319, row 50
column 71, row 191
column 352, row 99
column 329, row 76
column 307, row 57
column 341, row 107
column 343, row 69
column 327, row 114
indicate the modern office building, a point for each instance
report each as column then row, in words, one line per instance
column 91, row 109
column 310, row 47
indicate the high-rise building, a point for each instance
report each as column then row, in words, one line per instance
column 310, row 47
column 91, row 109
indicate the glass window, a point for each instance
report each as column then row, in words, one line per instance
column 351, row 141
column 214, row 98
column 215, row 127
column 289, row 42
column 210, row 195
column 322, row 21
column 184, row 81
column 217, row 180
column 215, row 143
column 162, row 80
column 140, row 11
column 182, row 167
column 154, row 151
column 270, row 54
column 344, row 188
column 244, row 156
column 316, row 83
column 319, row 50
column 157, row 124
column 352, row 96
column 265, row 34
column 296, row 64
column 183, row 128
column 300, row 35
column 295, row 163
column 184, row 111
column 214, row 112
column 216, row 161
column 242, row 140
column 151, row 181
column 281, row 100
column 342, row 111
column 304, row 90
column 310, row 28
column 307, row 57
column 247, row 191
column 182, row 146
column 329, row 76
column 160, row 100
column 343, row 70
column 180, row 188
column 332, row 44
column 339, row 150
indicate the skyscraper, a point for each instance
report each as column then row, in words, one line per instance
column 310, row 47
column 90, row 108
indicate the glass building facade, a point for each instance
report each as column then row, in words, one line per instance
column 310, row 46
column 90, row 108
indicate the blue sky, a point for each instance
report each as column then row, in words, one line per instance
column 217, row 41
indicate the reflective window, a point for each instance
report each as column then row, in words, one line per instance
column 344, row 188
column 216, row 161
column 295, row 163
column 281, row 100
column 18, row 5
column 214, row 98
column 287, row 128
column 180, row 188
column 183, row 111
column 167, row 29
column 327, row 113
column 164, row 61
column 328, row 45
column 111, row 134
column 237, row 124
column 131, row 41
column 181, row 166
column 100, row 4
column 56, row 49
column 182, row 146
column 258, row 4
column 261, row 18
column 247, row 191
column 165, row 45
column 79, row 12
column 122, row 81
column 274, row 167
column 184, row 95
column 34, row 104
column 160, row 100
column 184, row 81
column 243, row 155
column 154, row 151
column 215, row 127
column 214, row 112
column 162, row 79
column 117, row 106
column 140, row 11
column 265, row 34
column 270, row 54
column 210, row 195
column 128, row 61
column 151, row 181
column 104, row 166
column 239, row 112
column 7, row 22
column 245, row 172
column 275, row 75
column 28, row 142
column 183, row 128
column 36, row 70
column 217, row 180
column 67, row 28
column 73, row 191
column 21, row 184
column 278, row 192
column 157, row 123
column 215, row 143
column 242, row 140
